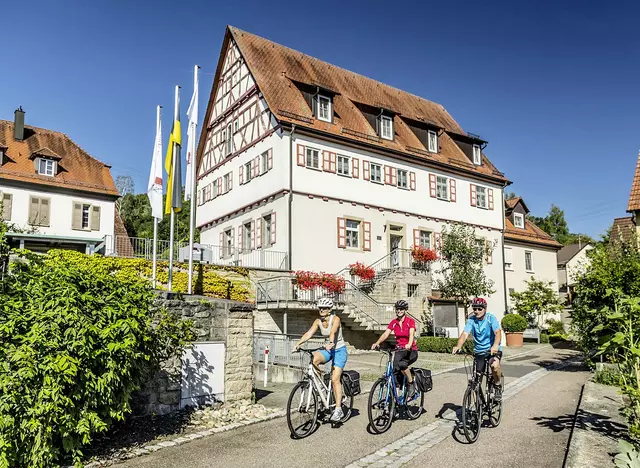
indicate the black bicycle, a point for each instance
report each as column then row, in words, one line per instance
column 479, row 400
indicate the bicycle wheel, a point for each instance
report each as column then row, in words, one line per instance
column 495, row 414
column 414, row 407
column 471, row 415
column 302, row 410
column 381, row 406
column 347, row 403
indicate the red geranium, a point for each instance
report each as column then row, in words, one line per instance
column 422, row 254
column 365, row 273
column 306, row 280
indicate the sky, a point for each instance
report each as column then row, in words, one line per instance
column 553, row 86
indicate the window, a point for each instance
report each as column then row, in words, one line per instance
column 528, row 261
column 227, row 247
column 402, row 178
column 227, row 182
column 39, row 211
column 425, row 239
column 518, row 220
column 353, row 231
column 214, row 190
column 442, row 188
column 376, row 173
column 508, row 259
column 235, row 126
column 344, row 166
column 313, row 158
column 324, row 108
column 7, row 200
column 85, row 217
column 386, row 127
column 247, row 172
column 229, row 138
column 46, row 167
column 412, row 290
column 481, row 197
column 433, row 142
column 477, row 157
column 267, row 226
column 246, row 236
column 264, row 162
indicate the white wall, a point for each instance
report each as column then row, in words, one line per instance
column 61, row 212
column 577, row 265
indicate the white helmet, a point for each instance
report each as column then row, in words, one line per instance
column 325, row 302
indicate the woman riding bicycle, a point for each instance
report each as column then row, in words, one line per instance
column 404, row 329
column 335, row 349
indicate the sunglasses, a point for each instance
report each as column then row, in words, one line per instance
column 478, row 308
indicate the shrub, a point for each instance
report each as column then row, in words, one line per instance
column 554, row 338
column 544, row 338
column 556, row 327
column 436, row 344
column 514, row 323
column 609, row 376
column 78, row 339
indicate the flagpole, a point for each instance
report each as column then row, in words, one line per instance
column 173, row 213
column 155, row 220
column 192, row 176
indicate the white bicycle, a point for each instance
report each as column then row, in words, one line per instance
column 312, row 400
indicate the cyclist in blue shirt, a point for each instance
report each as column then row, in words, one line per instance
column 487, row 334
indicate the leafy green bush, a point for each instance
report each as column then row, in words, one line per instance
column 514, row 323
column 555, row 327
column 555, row 337
column 609, row 376
column 77, row 340
column 544, row 337
column 436, row 344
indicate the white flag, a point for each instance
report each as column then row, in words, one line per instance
column 192, row 114
column 154, row 188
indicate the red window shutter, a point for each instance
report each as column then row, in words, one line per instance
column 342, row 233
column 394, row 176
column 253, row 235
column 416, row 237
column 273, row 228
column 473, row 195
column 241, row 174
column 301, row 155
column 365, row 170
column 412, row 180
column 219, row 185
column 326, row 162
column 432, row 185
column 387, row 175
column 332, row 162
column 270, row 160
column 366, row 229
column 490, row 198
column 452, row 190
column 258, row 233
column 355, row 168
column 240, row 229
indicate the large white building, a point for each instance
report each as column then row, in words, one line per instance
column 54, row 194
column 320, row 167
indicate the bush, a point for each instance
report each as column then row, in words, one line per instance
column 436, row 344
column 78, row 339
column 554, row 338
column 544, row 338
column 609, row 376
column 514, row 323
column 556, row 327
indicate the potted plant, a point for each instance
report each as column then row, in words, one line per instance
column 514, row 325
column 422, row 256
column 362, row 271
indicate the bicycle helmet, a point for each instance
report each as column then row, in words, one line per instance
column 325, row 303
column 402, row 305
column 479, row 302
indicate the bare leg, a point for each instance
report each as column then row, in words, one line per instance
column 407, row 374
column 337, row 385
column 496, row 370
column 318, row 359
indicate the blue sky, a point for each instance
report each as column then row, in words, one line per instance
column 553, row 86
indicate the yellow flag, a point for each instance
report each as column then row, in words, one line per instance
column 174, row 182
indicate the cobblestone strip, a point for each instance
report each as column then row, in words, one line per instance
column 410, row 446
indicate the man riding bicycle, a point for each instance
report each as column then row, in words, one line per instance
column 487, row 334
column 404, row 329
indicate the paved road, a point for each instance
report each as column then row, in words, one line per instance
column 269, row 444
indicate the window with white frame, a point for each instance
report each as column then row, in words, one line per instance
column 214, row 190
column 425, row 239
column 433, row 141
column 86, row 213
column 227, row 182
column 46, row 167
column 235, row 125
column 344, row 165
column 442, row 188
column 353, row 233
column 481, row 197
column 508, row 258
column 267, row 226
column 229, row 141
column 324, row 108
column 518, row 220
column 386, row 127
column 402, row 179
column 477, row 157
column 227, row 247
column 247, row 172
column 246, row 236
column 264, row 162
column 528, row 260
column 313, row 158
column 376, row 173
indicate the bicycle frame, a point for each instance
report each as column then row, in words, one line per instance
column 391, row 380
column 317, row 384
column 475, row 380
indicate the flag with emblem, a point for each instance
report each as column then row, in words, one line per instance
column 154, row 188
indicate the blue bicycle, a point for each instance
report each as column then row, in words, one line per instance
column 388, row 392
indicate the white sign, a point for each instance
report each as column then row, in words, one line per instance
column 202, row 374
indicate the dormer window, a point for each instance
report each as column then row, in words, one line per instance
column 386, row 127
column 46, row 167
column 518, row 220
column 432, row 140
column 324, row 108
column 477, row 156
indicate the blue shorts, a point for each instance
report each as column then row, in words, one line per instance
column 339, row 356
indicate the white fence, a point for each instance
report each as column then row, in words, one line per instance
column 281, row 347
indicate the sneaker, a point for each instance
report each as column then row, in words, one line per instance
column 497, row 392
column 337, row 415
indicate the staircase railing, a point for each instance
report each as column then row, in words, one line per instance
column 399, row 258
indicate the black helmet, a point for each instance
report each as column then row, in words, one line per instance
column 402, row 305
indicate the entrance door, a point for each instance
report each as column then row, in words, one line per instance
column 394, row 244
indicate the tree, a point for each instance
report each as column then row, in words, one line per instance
column 539, row 298
column 556, row 226
column 462, row 274
column 510, row 195
column 125, row 185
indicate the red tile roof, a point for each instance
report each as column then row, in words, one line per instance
column 78, row 169
column 623, row 228
column 276, row 70
column 634, row 197
column 531, row 233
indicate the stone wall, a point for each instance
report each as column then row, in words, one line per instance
column 215, row 320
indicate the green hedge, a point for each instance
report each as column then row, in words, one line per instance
column 557, row 337
column 514, row 323
column 435, row 344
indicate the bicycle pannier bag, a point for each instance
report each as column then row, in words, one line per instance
column 423, row 379
column 351, row 382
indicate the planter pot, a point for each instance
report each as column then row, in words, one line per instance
column 515, row 340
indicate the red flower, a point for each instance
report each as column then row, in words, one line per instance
column 422, row 254
column 309, row 280
column 365, row 273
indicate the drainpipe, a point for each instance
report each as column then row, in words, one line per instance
column 504, row 273
column 293, row 129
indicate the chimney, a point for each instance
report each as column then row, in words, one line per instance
column 18, row 124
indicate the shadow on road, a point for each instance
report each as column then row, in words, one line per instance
column 577, row 366
column 583, row 420
column 446, row 407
